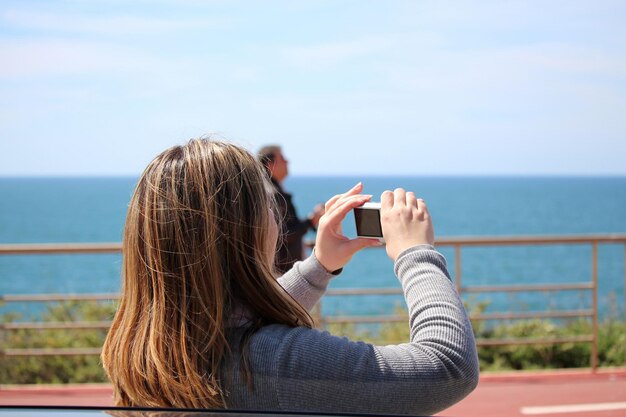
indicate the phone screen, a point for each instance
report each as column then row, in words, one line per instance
column 368, row 222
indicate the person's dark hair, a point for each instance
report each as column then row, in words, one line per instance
column 267, row 154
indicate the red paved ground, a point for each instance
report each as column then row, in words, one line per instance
column 505, row 394
column 498, row 395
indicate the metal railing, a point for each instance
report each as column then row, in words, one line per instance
column 457, row 243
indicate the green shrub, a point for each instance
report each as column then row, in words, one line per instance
column 611, row 341
column 82, row 368
column 56, row 369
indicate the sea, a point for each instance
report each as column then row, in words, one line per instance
column 61, row 210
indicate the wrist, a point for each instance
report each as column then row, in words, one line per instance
column 415, row 248
column 332, row 271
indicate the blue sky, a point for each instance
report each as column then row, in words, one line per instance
column 347, row 87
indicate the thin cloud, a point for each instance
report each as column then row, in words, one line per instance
column 119, row 25
column 502, row 67
column 569, row 58
column 28, row 58
column 336, row 53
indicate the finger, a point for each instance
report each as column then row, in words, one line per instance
column 329, row 204
column 422, row 207
column 340, row 210
column 356, row 189
column 386, row 200
column 343, row 198
column 411, row 201
column 352, row 191
column 357, row 244
column 399, row 197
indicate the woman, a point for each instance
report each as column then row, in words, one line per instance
column 203, row 323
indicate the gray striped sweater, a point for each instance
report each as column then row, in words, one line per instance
column 300, row 369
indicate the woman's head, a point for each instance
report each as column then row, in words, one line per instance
column 204, row 201
column 198, row 246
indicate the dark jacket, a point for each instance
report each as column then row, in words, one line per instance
column 290, row 247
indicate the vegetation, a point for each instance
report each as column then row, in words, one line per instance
column 83, row 368
column 611, row 341
column 56, row 369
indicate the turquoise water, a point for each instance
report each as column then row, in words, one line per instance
column 42, row 210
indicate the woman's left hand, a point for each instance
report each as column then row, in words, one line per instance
column 332, row 249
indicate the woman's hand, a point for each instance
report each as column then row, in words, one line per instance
column 405, row 222
column 332, row 249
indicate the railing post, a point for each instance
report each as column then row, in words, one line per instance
column 594, row 279
column 457, row 267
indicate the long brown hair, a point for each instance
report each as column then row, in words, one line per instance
column 195, row 250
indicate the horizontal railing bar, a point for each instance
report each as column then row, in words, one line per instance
column 112, row 247
column 479, row 342
column 114, row 296
column 492, row 288
column 50, row 352
column 56, row 248
column 487, row 316
column 531, row 240
column 533, row 341
column 325, row 320
column 56, row 325
column 530, row 287
column 531, row 315
column 364, row 291
column 363, row 319
column 103, row 297
column 332, row 292
column 58, row 297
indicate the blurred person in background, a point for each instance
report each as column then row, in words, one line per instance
column 291, row 248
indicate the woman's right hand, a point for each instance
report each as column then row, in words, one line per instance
column 405, row 221
column 332, row 249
